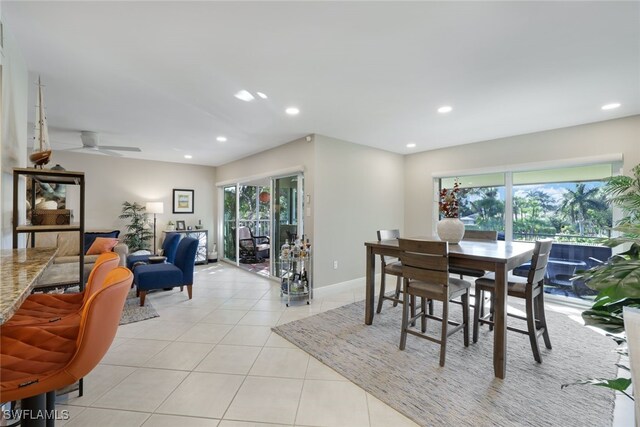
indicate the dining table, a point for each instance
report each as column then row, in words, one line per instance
column 499, row 257
column 20, row 270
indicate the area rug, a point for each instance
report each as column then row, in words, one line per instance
column 464, row 392
column 132, row 311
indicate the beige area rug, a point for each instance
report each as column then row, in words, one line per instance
column 464, row 392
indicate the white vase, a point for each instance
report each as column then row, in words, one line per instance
column 450, row 230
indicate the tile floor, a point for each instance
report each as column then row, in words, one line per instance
column 213, row 361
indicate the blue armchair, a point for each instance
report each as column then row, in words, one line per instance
column 160, row 276
column 169, row 248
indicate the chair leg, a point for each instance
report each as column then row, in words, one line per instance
column 405, row 319
column 431, row 307
column 382, row 286
column 465, row 317
column 476, row 314
column 445, row 324
column 189, row 291
column 492, row 304
column 531, row 327
column 543, row 319
column 423, row 318
column 398, row 289
column 413, row 309
column 181, row 288
column 143, row 294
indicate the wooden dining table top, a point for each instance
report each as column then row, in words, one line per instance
column 19, row 272
column 479, row 250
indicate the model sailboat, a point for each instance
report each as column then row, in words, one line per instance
column 41, row 148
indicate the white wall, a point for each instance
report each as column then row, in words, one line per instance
column 358, row 190
column 354, row 190
column 112, row 180
column 13, row 137
column 609, row 137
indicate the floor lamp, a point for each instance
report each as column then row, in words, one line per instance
column 154, row 208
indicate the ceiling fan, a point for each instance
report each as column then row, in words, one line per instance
column 90, row 141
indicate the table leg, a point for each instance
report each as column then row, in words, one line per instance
column 500, row 326
column 369, row 287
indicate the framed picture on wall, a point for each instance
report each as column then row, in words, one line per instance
column 180, row 225
column 182, row 201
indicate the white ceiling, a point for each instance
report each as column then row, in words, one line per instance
column 162, row 75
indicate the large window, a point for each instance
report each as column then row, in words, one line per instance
column 565, row 204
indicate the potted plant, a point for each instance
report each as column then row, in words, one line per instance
column 450, row 228
column 171, row 226
column 138, row 230
column 618, row 279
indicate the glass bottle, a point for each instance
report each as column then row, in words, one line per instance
column 284, row 251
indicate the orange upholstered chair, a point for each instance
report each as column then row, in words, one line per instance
column 43, row 308
column 37, row 359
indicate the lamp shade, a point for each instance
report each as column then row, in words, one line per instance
column 155, row 207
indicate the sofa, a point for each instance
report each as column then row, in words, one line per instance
column 68, row 246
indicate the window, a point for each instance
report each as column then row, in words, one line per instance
column 565, row 204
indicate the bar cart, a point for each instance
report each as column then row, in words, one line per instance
column 296, row 277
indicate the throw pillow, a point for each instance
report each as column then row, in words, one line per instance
column 90, row 236
column 102, row 245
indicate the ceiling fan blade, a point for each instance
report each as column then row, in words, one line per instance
column 108, row 152
column 119, row 148
column 69, row 149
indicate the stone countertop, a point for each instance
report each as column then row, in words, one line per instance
column 19, row 272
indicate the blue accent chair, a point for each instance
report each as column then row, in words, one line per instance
column 160, row 276
column 169, row 248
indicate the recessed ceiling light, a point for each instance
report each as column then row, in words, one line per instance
column 188, row 156
column 221, row 139
column 411, row 145
column 611, row 106
column 261, row 95
column 244, row 95
column 445, row 109
column 292, row 111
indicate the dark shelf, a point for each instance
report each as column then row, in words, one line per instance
column 51, row 176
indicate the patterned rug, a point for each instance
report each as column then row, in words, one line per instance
column 134, row 313
column 464, row 392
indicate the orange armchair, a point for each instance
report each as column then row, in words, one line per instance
column 43, row 308
column 38, row 359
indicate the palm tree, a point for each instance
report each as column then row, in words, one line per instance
column 576, row 204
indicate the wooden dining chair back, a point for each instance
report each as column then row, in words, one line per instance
column 480, row 235
column 477, row 235
column 392, row 266
column 531, row 289
column 425, row 269
column 490, row 235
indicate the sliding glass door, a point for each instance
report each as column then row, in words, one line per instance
column 259, row 216
column 229, row 222
column 287, row 208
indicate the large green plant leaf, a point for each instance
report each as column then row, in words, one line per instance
column 619, row 384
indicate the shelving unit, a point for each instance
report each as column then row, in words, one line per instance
column 47, row 176
column 296, row 277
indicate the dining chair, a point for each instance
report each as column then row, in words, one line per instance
column 425, row 269
column 479, row 235
column 392, row 266
column 530, row 289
